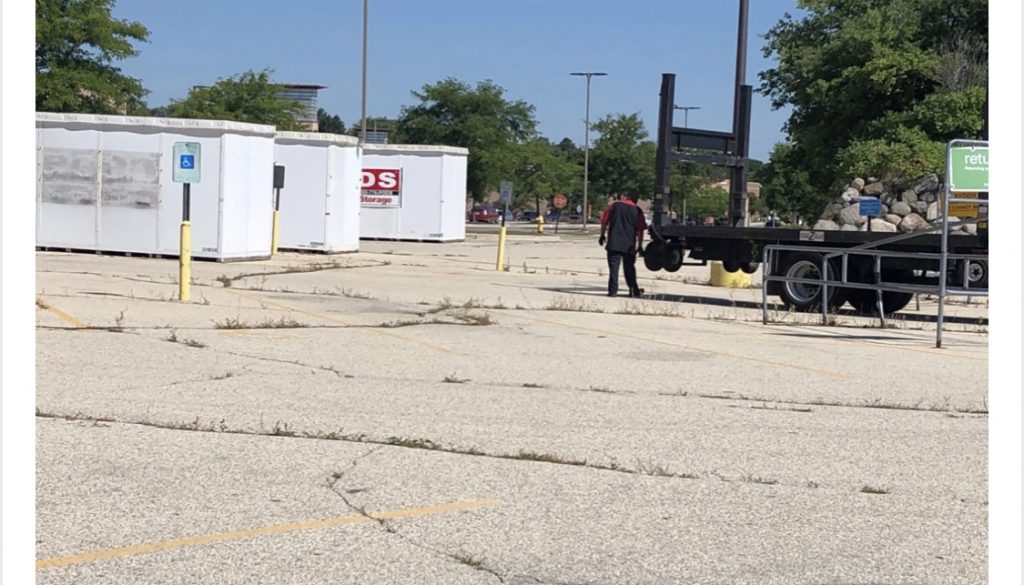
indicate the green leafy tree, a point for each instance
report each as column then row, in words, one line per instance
column 708, row 201
column 77, row 44
column 325, row 122
column 479, row 118
column 786, row 186
column 872, row 82
column 622, row 159
column 247, row 97
column 540, row 172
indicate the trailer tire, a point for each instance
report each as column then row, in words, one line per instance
column 749, row 267
column 805, row 297
column 730, row 266
column 977, row 277
column 672, row 258
column 653, row 256
column 866, row 301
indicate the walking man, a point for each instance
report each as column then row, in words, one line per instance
column 622, row 227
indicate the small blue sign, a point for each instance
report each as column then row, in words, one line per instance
column 187, row 158
column 870, row 207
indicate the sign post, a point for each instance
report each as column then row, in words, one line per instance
column 966, row 175
column 276, row 229
column 506, row 198
column 186, row 157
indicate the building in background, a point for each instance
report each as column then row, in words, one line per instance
column 305, row 94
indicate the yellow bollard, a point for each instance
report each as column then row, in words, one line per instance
column 501, row 248
column 540, row 225
column 274, row 233
column 723, row 278
column 185, row 262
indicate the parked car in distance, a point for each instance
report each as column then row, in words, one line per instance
column 479, row 213
column 528, row 215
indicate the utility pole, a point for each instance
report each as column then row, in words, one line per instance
column 586, row 144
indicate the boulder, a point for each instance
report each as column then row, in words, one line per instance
column 901, row 209
column 913, row 222
column 926, row 183
column 933, row 211
column 849, row 228
column 893, row 219
column 874, row 189
column 971, row 228
column 851, row 216
column 931, row 197
column 920, row 207
column 909, row 196
column 880, row 225
column 857, row 184
column 824, row 224
column 832, row 210
column 850, row 194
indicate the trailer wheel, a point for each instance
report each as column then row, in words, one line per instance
column 749, row 267
column 977, row 275
column 731, row 266
column 866, row 301
column 653, row 256
column 803, row 296
column 672, row 258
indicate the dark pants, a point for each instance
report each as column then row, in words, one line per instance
column 628, row 262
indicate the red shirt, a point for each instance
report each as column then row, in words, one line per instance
column 641, row 223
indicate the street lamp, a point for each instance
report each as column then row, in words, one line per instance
column 586, row 143
column 362, row 135
column 686, row 113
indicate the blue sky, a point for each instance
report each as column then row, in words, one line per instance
column 529, row 47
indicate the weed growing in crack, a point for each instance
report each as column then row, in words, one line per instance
column 468, row 560
column 173, row 338
column 651, row 468
column 748, row 478
column 601, row 390
column 453, row 379
column 413, row 443
column 280, row 323
column 545, row 457
column 533, row 385
column 119, row 323
column 41, row 303
column 868, row 489
column 282, row 430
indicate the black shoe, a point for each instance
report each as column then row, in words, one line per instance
column 636, row 292
column 611, row 294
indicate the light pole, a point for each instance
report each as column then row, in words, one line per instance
column 686, row 113
column 586, row 143
column 362, row 134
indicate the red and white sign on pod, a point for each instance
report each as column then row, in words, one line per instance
column 381, row 188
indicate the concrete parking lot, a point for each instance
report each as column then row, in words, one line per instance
column 410, row 414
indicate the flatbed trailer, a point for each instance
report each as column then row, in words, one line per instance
column 742, row 249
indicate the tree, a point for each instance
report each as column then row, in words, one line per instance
column 479, row 118
column 77, row 43
column 325, row 122
column 786, row 187
column 621, row 159
column 541, row 171
column 876, row 87
column 246, row 97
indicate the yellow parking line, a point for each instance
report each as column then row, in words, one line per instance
column 67, row 318
column 833, row 373
column 331, row 319
column 261, row 531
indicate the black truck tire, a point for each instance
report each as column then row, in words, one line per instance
column 977, row 276
column 866, row 301
column 653, row 256
column 672, row 258
column 805, row 297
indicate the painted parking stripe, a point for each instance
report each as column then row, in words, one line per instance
column 153, row 547
column 66, row 317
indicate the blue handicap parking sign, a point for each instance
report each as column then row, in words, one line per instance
column 188, row 161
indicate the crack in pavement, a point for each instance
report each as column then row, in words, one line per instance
column 338, row 476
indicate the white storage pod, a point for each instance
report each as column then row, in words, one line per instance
column 320, row 199
column 413, row 192
column 105, row 183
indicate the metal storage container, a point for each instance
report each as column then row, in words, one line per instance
column 104, row 183
column 413, row 192
column 320, row 199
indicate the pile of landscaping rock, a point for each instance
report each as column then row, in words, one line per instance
column 905, row 208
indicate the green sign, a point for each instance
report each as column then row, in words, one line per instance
column 968, row 168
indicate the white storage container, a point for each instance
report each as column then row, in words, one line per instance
column 104, row 183
column 320, row 199
column 413, row 192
